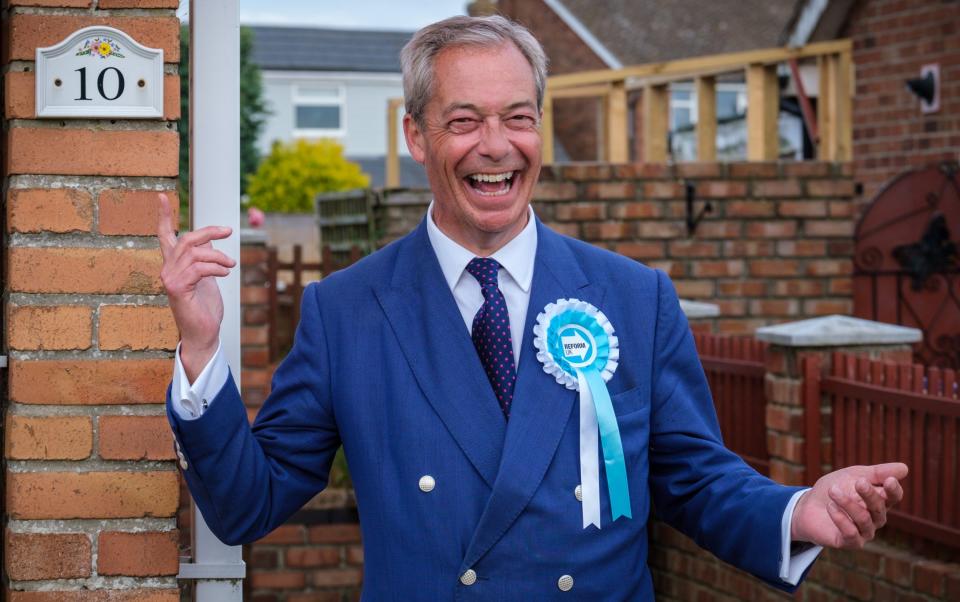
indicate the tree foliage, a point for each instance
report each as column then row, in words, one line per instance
column 293, row 174
column 253, row 110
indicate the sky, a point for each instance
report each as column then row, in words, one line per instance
column 405, row 15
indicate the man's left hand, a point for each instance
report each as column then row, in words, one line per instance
column 846, row 507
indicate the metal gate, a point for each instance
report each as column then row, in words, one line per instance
column 907, row 260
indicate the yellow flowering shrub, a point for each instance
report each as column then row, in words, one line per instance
column 292, row 174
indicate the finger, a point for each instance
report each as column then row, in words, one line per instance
column 201, row 237
column 893, row 491
column 198, row 271
column 185, row 281
column 204, row 254
column 855, row 510
column 849, row 534
column 181, row 277
column 880, row 472
column 165, row 231
column 876, row 505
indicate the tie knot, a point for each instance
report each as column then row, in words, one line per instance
column 484, row 270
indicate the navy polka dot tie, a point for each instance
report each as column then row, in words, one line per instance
column 491, row 332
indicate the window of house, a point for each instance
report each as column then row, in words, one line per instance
column 318, row 110
column 731, row 103
column 682, row 108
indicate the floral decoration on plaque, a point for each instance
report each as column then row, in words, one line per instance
column 100, row 46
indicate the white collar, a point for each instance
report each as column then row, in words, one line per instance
column 516, row 257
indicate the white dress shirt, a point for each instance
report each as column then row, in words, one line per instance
column 516, row 276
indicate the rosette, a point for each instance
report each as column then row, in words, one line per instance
column 576, row 345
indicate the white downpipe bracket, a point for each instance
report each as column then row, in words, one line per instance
column 215, row 200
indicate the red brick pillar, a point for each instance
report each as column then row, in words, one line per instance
column 255, row 324
column 91, row 486
column 795, row 408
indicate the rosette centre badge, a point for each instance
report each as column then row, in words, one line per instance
column 579, row 348
column 576, row 344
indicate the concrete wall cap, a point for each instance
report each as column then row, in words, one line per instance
column 699, row 309
column 836, row 330
column 249, row 236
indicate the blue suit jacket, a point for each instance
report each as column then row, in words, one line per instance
column 383, row 364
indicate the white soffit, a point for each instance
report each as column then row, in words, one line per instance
column 806, row 22
column 585, row 34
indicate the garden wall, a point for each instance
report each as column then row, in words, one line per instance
column 775, row 246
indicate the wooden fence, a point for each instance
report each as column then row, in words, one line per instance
column 735, row 371
column 284, row 305
column 886, row 412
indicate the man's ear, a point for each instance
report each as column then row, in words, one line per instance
column 415, row 139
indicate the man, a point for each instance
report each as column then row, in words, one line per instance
column 466, row 469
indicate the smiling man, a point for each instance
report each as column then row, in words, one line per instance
column 472, row 374
column 479, row 139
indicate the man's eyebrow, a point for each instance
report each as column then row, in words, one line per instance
column 523, row 104
column 456, row 106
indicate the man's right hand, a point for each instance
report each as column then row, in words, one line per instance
column 190, row 265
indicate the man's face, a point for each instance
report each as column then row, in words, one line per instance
column 480, row 144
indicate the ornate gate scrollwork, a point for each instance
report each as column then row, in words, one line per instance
column 907, row 260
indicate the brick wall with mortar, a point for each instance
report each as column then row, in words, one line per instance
column 892, row 39
column 90, row 483
column 776, row 246
column 255, row 321
column 307, row 559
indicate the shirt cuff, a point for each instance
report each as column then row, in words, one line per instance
column 190, row 401
column 793, row 566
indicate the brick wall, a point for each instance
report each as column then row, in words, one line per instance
column 307, row 559
column 255, row 320
column 892, row 39
column 90, row 485
column 881, row 571
column 776, row 246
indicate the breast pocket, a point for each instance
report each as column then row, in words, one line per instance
column 629, row 401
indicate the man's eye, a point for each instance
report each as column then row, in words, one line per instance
column 463, row 124
column 521, row 121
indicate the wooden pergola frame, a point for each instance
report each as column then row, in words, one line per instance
column 612, row 87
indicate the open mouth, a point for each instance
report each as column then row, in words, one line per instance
column 491, row 184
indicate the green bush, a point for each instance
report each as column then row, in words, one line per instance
column 292, row 174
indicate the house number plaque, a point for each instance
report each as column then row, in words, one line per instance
column 100, row 72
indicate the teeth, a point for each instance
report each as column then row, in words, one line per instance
column 504, row 189
column 490, row 177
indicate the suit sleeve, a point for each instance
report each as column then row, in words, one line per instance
column 247, row 481
column 698, row 486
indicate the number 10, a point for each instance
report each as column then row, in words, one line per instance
column 103, row 94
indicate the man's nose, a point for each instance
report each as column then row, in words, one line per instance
column 494, row 143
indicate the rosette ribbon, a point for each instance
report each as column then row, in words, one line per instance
column 576, row 345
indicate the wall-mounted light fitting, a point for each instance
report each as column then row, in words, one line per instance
column 927, row 88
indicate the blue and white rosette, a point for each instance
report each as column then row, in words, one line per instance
column 576, row 345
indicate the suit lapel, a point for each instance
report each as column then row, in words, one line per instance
column 424, row 316
column 541, row 407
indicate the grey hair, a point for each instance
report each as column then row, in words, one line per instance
column 417, row 56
